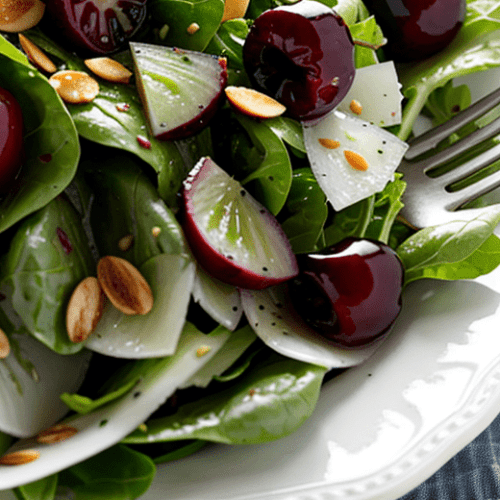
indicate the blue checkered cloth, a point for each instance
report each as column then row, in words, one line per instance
column 472, row 474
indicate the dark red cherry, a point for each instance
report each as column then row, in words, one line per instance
column 301, row 55
column 350, row 293
column 11, row 139
column 417, row 29
column 99, row 26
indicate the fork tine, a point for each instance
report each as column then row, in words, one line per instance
column 432, row 138
column 474, row 165
column 469, row 193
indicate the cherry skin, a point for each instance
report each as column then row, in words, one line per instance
column 350, row 293
column 11, row 139
column 96, row 26
column 302, row 55
column 417, row 29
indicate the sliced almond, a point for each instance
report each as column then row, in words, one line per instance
column 56, row 434
column 19, row 457
column 36, row 55
column 85, row 309
column 109, row 69
column 125, row 243
column 74, row 87
column 4, row 345
column 20, row 15
column 356, row 161
column 355, row 107
column 193, row 28
column 329, row 143
column 254, row 103
column 124, row 285
column 234, row 9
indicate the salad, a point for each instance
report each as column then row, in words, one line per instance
column 166, row 216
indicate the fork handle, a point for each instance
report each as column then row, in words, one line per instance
column 429, row 140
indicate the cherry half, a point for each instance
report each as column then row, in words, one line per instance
column 417, row 29
column 98, row 26
column 351, row 292
column 11, row 139
column 302, row 55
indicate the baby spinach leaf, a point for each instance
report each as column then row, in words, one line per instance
column 126, row 204
column 288, row 130
column 266, row 403
column 367, row 32
column 445, row 102
column 50, row 141
column 308, row 210
column 106, row 121
column 179, row 15
column 117, row 473
column 440, row 251
column 43, row 489
column 48, row 256
column 472, row 50
column 228, row 42
column 272, row 170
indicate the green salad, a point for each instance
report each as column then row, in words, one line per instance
column 219, row 211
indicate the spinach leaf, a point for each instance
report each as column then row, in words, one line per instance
column 43, row 489
column 178, row 15
column 454, row 250
column 118, row 473
column 288, row 130
column 48, row 256
column 472, row 50
column 228, row 42
column 367, row 32
column 266, row 403
column 102, row 122
column 126, row 204
column 271, row 169
column 50, row 141
column 447, row 101
column 306, row 204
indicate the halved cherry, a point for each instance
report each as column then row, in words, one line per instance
column 11, row 139
column 231, row 234
column 99, row 26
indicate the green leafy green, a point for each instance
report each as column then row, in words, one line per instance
column 178, row 15
column 228, row 42
column 43, row 489
column 118, row 473
column 271, row 169
column 268, row 402
column 445, row 102
column 367, row 32
column 472, row 50
column 48, row 256
column 125, row 203
column 306, row 204
column 51, row 143
column 455, row 250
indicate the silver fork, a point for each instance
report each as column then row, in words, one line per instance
column 427, row 200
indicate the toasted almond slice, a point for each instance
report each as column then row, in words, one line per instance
column 19, row 457
column 254, row 103
column 109, row 69
column 329, row 143
column 56, row 434
column 193, row 28
column 125, row 242
column 36, row 55
column 75, row 87
column 357, row 161
column 124, row 285
column 355, row 107
column 84, row 309
column 20, row 15
column 234, row 9
column 4, row 345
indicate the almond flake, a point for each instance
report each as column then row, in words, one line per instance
column 355, row 107
column 329, row 143
column 193, row 28
column 126, row 242
column 19, row 457
column 20, row 15
column 109, row 69
column 201, row 351
column 36, row 55
column 156, row 231
column 234, row 9
column 124, row 285
column 75, row 87
column 356, row 161
column 4, row 345
column 56, row 434
column 84, row 309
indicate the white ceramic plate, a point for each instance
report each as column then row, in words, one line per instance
column 383, row 427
